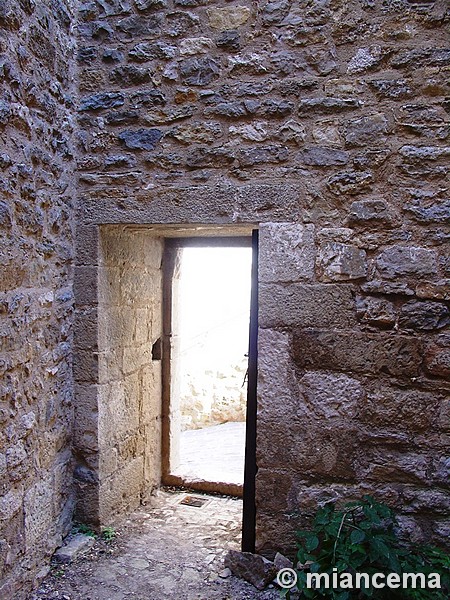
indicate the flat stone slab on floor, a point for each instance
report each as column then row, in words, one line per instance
column 74, row 546
column 164, row 550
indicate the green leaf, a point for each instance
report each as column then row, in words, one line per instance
column 311, row 542
column 357, row 536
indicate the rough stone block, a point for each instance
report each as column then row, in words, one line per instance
column 251, row 567
column 38, row 511
column 437, row 356
column 85, row 285
column 277, row 386
column 102, row 100
column 140, row 139
column 367, row 131
column 341, row 262
column 424, row 316
column 350, row 182
column 323, row 157
column 404, row 261
column 85, row 366
column 74, row 547
column 440, row 290
column 399, row 409
column 10, row 504
column 371, row 212
column 306, row 305
column 371, row 354
column 86, row 245
column 228, row 18
column 331, row 395
column 376, row 311
column 86, row 328
column 286, row 252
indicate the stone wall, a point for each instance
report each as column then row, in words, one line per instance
column 117, row 435
column 36, row 298
column 326, row 123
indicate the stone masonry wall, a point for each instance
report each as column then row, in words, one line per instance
column 117, row 367
column 326, row 122
column 129, row 411
column 36, row 297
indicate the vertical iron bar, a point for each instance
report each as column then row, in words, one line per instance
column 249, row 505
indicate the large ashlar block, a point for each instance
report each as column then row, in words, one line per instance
column 86, row 244
column 86, row 328
column 331, row 395
column 116, row 327
column 373, row 354
column 38, row 512
column 86, row 285
column 122, row 490
column 277, row 385
column 309, row 448
column 286, row 252
column 399, row 409
column 306, row 305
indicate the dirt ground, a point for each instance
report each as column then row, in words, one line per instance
column 163, row 550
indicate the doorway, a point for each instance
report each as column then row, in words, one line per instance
column 206, row 324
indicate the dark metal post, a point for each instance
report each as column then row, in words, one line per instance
column 249, row 506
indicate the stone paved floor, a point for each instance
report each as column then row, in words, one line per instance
column 213, row 454
column 165, row 550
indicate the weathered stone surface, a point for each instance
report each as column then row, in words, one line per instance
column 350, row 182
column 440, row 290
column 199, row 71
column 387, row 287
column 327, row 105
column 341, row 262
column 275, row 11
column 429, row 210
column 365, row 59
column 102, row 100
column 358, row 352
column 251, row 567
column 144, row 5
column 370, row 212
column 130, row 75
column 287, row 252
column 322, row 157
column 199, row 45
column 305, row 305
column 426, row 316
column 395, row 89
column 404, row 261
column 332, row 395
column 140, row 139
column 145, row 98
column 197, row 132
column 368, row 130
column 230, row 40
column 437, row 356
column 228, row 18
column 74, row 547
column 253, row 133
column 376, row 311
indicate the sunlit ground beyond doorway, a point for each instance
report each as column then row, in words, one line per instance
column 211, row 302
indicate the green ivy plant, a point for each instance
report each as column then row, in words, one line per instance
column 109, row 534
column 84, row 529
column 361, row 538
